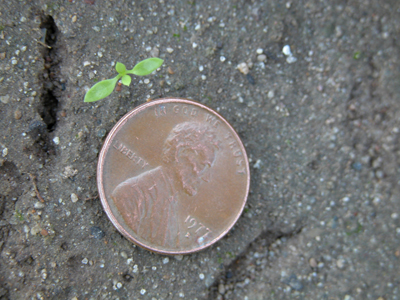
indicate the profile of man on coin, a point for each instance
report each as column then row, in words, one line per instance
column 149, row 203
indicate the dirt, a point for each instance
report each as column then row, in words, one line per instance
column 321, row 128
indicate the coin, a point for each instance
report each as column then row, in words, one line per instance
column 173, row 176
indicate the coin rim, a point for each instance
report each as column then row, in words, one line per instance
column 106, row 146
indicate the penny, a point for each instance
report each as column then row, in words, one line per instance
column 173, row 176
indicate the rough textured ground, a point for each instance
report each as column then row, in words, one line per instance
column 322, row 133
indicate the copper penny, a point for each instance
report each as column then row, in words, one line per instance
column 173, row 176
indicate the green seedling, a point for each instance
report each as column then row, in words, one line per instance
column 104, row 88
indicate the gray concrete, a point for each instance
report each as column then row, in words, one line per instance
column 321, row 128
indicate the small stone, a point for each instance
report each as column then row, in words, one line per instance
column 178, row 257
column 142, row 291
column 170, row 71
column 85, row 261
column 97, row 233
column 17, row 114
column 2, row 55
column 258, row 164
column 203, row 77
column 294, row 283
column 340, row 263
column 201, row 68
column 271, row 94
column 313, row 263
column 243, row 68
column 119, row 285
column 201, row 276
column 221, row 288
column 4, row 152
column 35, row 230
column 291, row 59
column 146, row 81
column 74, row 298
column 259, row 51
column 39, row 205
column 286, row 50
column 155, row 52
column 357, row 166
column 74, row 19
column 170, row 50
column 222, row 58
column 44, row 232
column 394, row 216
column 44, row 274
column 86, row 63
column 194, row 45
column 262, row 57
column 250, row 79
column 124, row 255
column 56, row 140
column 165, row 260
column 101, row 133
column 14, row 61
column 5, row 99
column 74, row 197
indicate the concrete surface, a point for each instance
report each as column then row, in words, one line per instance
column 321, row 127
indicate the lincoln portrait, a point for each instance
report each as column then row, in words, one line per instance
column 149, row 203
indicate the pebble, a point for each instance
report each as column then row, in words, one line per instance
column 262, row 57
column 39, row 205
column 194, row 45
column 222, row 58
column 155, row 52
column 56, row 140
column 201, row 276
column 221, row 289
column 294, row 283
column 17, row 114
column 313, row 263
column 74, row 19
column 96, row 232
column 5, row 99
column 4, row 152
column 357, row 166
column 35, row 230
column 170, row 50
column 271, row 94
column 250, row 79
column 178, row 257
column 101, row 133
column 74, row 197
column 259, row 51
column 258, row 164
column 85, row 261
column 142, row 291
column 2, row 55
column 243, row 68
column 286, row 50
column 165, row 260
column 340, row 263
column 291, row 59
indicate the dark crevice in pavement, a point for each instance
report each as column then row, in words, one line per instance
column 236, row 271
column 49, row 102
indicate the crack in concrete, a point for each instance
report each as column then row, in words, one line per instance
column 235, row 272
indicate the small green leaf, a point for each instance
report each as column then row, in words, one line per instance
column 101, row 89
column 145, row 67
column 120, row 68
column 126, row 80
